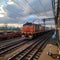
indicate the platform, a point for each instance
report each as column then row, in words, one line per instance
column 49, row 48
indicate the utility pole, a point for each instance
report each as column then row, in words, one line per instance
column 44, row 23
column 57, row 20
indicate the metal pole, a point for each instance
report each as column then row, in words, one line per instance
column 44, row 23
column 57, row 20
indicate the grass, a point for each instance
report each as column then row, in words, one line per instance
column 8, row 30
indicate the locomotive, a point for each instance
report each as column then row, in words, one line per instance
column 31, row 30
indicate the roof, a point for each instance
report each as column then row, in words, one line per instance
column 28, row 23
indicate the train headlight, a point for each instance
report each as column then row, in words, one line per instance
column 30, row 36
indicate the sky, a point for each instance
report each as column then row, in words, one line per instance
column 22, row 11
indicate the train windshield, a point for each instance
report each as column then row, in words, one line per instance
column 29, row 24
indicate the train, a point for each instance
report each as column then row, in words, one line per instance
column 9, row 35
column 31, row 30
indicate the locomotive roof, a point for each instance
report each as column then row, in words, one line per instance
column 31, row 24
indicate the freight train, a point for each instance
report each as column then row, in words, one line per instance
column 31, row 30
column 9, row 35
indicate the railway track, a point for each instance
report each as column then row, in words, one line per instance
column 4, row 48
column 10, row 43
column 11, row 49
column 29, row 52
column 6, row 42
column 11, row 46
column 34, row 47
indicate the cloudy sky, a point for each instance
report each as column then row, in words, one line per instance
column 21, row 11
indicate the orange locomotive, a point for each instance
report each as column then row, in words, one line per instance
column 30, row 30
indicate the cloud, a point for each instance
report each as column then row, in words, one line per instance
column 22, row 11
column 38, row 6
column 13, row 11
column 10, row 20
column 48, row 14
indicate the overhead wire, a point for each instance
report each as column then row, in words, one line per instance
column 12, row 10
column 53, row 6
column 25, row 6
column 32, row 7
column 20, row 5
column 41, row 5
column 47, row 19
column 44, row 8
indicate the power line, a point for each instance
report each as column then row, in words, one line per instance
column 53, row 6
column 31, row 6
column 44, row 8
column 42, row 5
column 12, row 10
column 22, row 6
